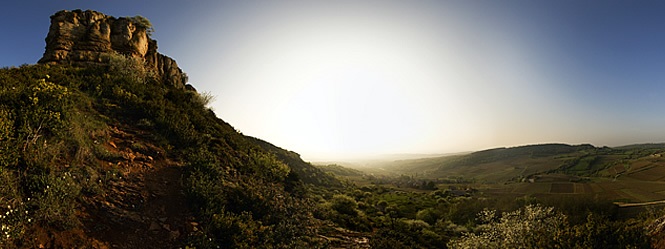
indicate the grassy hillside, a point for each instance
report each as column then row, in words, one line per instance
column 90, row 153
column 502, row 164
column 100, row 156
column 107, row 157
column 494, row 165
column 339, row 170
column 303, row 170
column 632, row 173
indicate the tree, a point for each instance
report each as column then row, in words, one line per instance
column 142, row 23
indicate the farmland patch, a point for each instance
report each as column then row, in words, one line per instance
column 562, row 188
column 651, row 174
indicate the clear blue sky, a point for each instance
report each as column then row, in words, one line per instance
column 343, row 79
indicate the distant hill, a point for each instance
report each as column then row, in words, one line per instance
column 103, row 144
column 538, row 150
column 647, row 146
column 510, row 164
column 339, row 170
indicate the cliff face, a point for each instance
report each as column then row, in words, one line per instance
column 90, row 37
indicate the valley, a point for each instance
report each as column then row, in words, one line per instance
column 104, row 144
column 624, row 174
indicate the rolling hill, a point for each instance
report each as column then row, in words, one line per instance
column 103, row 144
column 633, row 173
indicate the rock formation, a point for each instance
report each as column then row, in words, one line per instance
column 90, row 37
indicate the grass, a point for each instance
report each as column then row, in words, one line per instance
column 242, row 191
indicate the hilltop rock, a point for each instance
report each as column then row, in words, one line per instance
column 90, row 37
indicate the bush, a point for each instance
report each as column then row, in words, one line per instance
column 8, row 152
column 43, row 111
column 533, row 226
column 406, row 233
column 204, row 98
column 428, row 215
column 344, row 205
column 130, row 69
column 56, row 204
column 142, row 23
column 268, row 166
column 14, row 220
column 245, row 208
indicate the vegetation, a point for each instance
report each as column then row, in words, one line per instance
column 338, row 170
column 56, row 124
column 568, row 204
column 77, row 144
column 142, row 23
column 535, row 226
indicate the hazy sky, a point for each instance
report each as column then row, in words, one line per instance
column 343, row 79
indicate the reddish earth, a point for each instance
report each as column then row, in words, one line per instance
column 142, row 206
column 147, row 207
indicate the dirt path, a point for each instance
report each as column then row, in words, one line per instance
column 639, row 204
column 147, row 207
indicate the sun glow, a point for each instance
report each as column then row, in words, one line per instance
column 347, row 86
column 347, row 79
column 332, row 86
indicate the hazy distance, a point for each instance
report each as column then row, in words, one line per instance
column 355, row 79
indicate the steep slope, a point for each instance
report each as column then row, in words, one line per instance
column 115, row 153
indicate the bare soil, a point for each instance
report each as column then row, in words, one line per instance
column 145, row 205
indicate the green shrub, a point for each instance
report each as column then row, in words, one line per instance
column 14, row 220
column 54, row 125
column 142, row 23
column 405, row 233
column 129, row 69
column 428, row 215
column 344, row 205
column 55, row 205
column 268, row 166
column 8, row 152
column 204, row 98
column 533, row 226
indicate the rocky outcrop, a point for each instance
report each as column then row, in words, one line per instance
column 90, row 37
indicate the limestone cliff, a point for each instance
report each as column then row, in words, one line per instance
column 90, row 37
